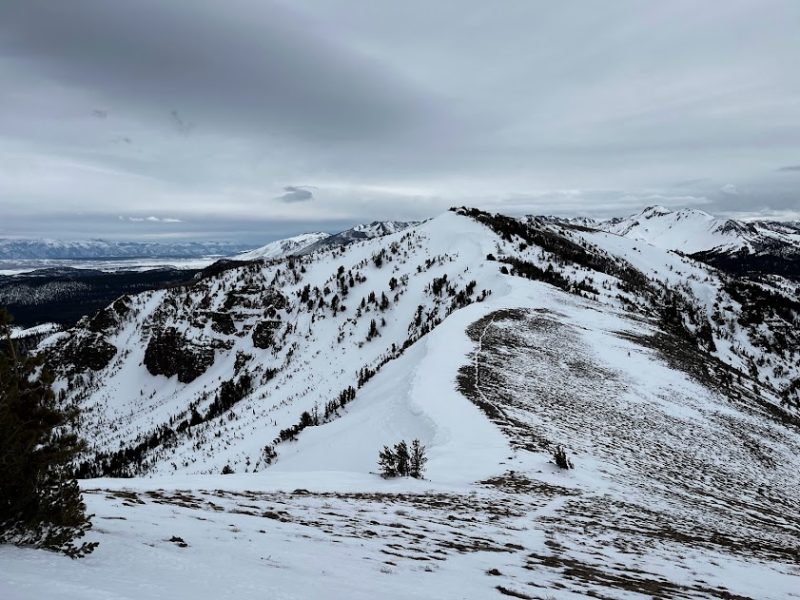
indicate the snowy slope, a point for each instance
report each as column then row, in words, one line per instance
column 292, row 337
column 317, row 353
column 359, row 233
column 412, row 397
column 672, row 386
column 37, row 330
column 690, row 230
column 282, row 248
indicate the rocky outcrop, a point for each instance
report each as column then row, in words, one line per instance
column 169, row 353
column 274, row 299
column 86, row 352
column 222, row 322
column 109, row 317
column 264, row 334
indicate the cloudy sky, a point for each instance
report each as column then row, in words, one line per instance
column 252, row 119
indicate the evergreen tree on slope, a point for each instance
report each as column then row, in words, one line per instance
column 40, row 502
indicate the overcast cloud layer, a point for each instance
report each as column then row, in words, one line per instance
column 255, row 119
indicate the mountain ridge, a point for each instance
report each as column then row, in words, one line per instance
column 226, row 321
column 254, row 401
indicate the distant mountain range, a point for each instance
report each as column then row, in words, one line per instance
column 741, row 247
column 98, row 249
column 690, row 230
column 27, row 249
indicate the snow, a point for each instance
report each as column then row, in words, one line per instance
column 691, row 230
column 17, row 267
column 662, row 459
column 42, row 329
column 687, row 230
column 412, row 397
column 20, row 248
column 283, row 248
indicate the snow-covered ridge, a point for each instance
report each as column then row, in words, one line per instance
column 283, row 248
column 673, row 386
column 307, row 243
column 293, row 337
column 690, row 231
column 379, row 228
column 37, row 330
column 359, row 233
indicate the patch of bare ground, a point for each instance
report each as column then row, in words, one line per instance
column 631, row 580
column 699, row 476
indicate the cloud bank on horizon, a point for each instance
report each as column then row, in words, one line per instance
column 200, row 118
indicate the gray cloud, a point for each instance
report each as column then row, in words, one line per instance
column 205, row 111
column 294, row 193
column 789, row 169
column 250, row 65
column 150, row 219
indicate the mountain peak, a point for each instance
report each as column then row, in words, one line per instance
column 688, row 230
column 654, row 210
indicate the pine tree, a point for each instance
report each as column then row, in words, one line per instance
column 373, row 330
column 40, row 502
column 387, row 461
column 306, row 420
column 561, row 459
column 402, row 458
column 417, row 460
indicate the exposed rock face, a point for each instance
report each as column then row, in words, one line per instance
column 274, row 299
column 109, row 317
column 103, row 319
column 242, row 358
column 169, row 353
column 89, row 352
column 264, row 334
column 222, row 322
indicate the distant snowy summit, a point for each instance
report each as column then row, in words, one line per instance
column 767, row 247
column 308, row 243
column 690, row 230
column 283, row 248
column 359, row 233
column 761, row 247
